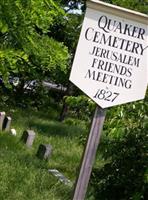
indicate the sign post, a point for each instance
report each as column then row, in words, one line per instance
column 110, row 66
column 89, row 154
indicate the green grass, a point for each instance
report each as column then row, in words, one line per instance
column 25, row 177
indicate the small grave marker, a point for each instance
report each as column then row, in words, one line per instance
column 7, row 124
column 60, row 176
column 28, row 137
column 2, row 117
column 44, row 151
column 13, row 132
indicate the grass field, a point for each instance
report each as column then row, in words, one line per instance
column 25, row 177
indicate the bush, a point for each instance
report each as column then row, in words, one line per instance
column 80, row 107
column 124, row 149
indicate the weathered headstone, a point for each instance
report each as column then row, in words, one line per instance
column 60, row 176
column 28, row 137
column 7, row 124
column 2, row 117
column 44, row 151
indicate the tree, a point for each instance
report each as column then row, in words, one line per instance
column 137, row 5
column 26, row 49
column 124, row 153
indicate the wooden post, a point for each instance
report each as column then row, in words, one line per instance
column 89, row 154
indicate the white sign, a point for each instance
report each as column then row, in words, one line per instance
column 111, row 59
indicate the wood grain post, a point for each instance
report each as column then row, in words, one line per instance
column 89, row 154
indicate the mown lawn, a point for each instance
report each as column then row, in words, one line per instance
column 25, row 177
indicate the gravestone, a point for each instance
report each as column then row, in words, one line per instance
column 13, row 132
column 7, row 124
column 2, row 117
column 44, row 151
column 28, row 137
column 60, row 176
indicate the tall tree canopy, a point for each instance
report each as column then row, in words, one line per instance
column 26, row 48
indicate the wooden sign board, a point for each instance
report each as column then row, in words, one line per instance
column 111, row 59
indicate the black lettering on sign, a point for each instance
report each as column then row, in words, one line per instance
column 106, row 95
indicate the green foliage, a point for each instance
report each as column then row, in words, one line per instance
column 80, row 106
column 141, row 6
column 68, row 30
column 26, row 50
column 76, row 122
column 124, row 150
